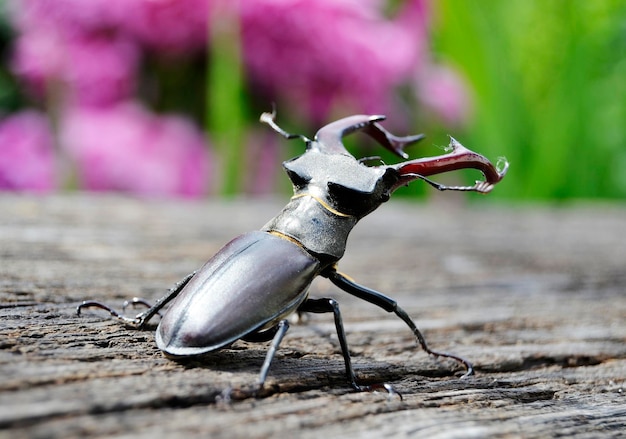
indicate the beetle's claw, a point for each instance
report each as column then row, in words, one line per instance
column 225, row 395
column 469, row 367
column 230, row 393
column 468, row 373
column 384, row 387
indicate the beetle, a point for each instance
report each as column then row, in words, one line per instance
column 255, row 281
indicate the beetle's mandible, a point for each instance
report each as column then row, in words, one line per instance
column 234, row 297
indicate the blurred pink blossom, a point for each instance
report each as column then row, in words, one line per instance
column 92, row 49
column 323, row 52
column 170, row 26
column 443, row 91
column 126, row 148
column 317, row 56
column 71, row 49
column 92, row 70
column 26, row 153
column 68, row 16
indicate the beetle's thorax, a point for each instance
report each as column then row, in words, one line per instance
column 307, row 220
column 332, row 192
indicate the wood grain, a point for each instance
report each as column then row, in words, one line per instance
column 534, row 295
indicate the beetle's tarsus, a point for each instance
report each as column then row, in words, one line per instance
column 135, row 322
column 139, row 321
column 382, row 387
column 225, row 396
column 230, row 393
column 137, row 301
column 469, row 367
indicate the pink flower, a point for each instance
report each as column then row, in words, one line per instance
column 100, row 71
column 91, row 49
column 328, row 52
column 26, row 153
column 69, row 16
column 170, row 26
column 126, row 148
column 443, row 91
column 92, row 69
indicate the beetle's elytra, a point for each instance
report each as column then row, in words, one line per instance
column 249, row 287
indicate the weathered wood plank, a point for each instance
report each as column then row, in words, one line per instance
column 535, row 296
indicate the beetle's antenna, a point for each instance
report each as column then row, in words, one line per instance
column 269, row 118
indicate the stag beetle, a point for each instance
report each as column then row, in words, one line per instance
column 254, row 282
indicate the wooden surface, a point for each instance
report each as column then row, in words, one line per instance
column 535, row 296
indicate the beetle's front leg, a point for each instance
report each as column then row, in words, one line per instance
column 141, row 319
column 390, row 305
column 331, row 305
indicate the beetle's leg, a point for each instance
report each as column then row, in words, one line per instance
column 134, row 302
column 140, row 319
column 390, row 305
column 276, row 334
column 279, row 333
column 137, row 301
column 331, row 305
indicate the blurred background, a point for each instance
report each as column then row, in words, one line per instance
column 161, row 98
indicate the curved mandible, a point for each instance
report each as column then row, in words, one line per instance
column 459, row 157
column 329, row 138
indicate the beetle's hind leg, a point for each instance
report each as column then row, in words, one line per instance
column 331, row 305
column 141, row 319
column 390, row 305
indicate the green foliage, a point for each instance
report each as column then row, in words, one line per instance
column 225, row 103
column 549, row 78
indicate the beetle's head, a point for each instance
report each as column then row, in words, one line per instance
column 328, row 171
column 341, row 181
